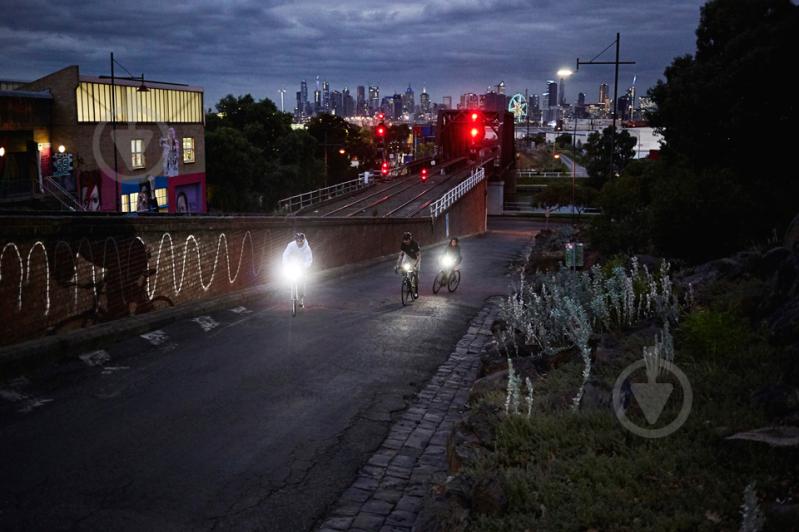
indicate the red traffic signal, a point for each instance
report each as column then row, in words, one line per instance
column 380, row 116
column 384, row 168
column 423, row 174
column 476, row 129
column 380, row 131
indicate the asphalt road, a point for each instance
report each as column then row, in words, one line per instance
column 258, row 422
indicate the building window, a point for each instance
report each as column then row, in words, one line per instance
column 136, row 153
column 124, row 203
column 160, row 196
column 188, row 149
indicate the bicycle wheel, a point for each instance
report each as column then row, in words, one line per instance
column 438, row 282
column 415, row 285
column 454, row 280
column 406, row 291
column 293, row 301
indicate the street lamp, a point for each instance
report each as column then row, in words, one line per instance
column 140, row 89
column 565, row 73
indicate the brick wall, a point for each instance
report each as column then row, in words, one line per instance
column 62, row 273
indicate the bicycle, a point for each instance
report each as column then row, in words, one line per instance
column 448, row 275
column 294, row 276
column 408, row 287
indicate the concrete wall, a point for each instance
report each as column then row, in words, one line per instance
column 62, row 273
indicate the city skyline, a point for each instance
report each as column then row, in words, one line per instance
column 276, row 44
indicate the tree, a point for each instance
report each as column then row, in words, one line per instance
column 564, row 140
column 233, row 166
column 332, row 134
column 719, row 118
column 598, row 155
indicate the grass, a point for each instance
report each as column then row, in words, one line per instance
column 583, row 471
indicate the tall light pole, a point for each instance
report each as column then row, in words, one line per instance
column 564, row 73
column 282, row 107
column 617, row 42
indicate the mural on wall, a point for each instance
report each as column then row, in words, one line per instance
column 90, row 187
column 170, row 153
column 187, row 198
column 123, row 276
column 146, row 199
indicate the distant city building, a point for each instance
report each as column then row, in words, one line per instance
column 470, row 100
column 347, row 104
column 408, row 100
column 424, row 101
column 501, row 87
column 336, row 103
column 325, row 96
column 317, row 100
column 304, row 107
column 603, row 94
column 374, row 99
column 360, row 101
column 446, row 101
column 552, row 91
column 495, row 102
column 396, row 106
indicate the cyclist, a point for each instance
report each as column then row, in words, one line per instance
column 298, row 253
column 453, row 250
column 410, row 251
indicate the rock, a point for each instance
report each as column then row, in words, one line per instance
column 488, row 496
column 777, row 400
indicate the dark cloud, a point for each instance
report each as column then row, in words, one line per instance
column 449, row 46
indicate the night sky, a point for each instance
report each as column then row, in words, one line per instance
column 260, row 46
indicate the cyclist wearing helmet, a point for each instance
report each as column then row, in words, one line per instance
column 410, row 251
column 298, row 254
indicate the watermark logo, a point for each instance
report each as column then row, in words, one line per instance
column 651, row 392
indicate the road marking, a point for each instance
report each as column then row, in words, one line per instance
column 240, row 310
column 155, row 337
column 95, row 358
column 108, row 370
column 26, row 402
column 206, row 322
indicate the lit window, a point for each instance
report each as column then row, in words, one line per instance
column 133, row 201
column 160, row 196
column 188, row 149
column 123, row 200
column 136, row 153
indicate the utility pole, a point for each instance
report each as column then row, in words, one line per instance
column 617, row 42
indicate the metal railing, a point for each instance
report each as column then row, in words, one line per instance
column 529, row 172
column 454, row 194
column 62, row 195
column 295, row 203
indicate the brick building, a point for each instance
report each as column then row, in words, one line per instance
column 59, row 129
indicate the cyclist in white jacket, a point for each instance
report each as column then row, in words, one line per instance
column 298, row 255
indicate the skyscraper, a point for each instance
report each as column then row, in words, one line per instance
column 374, row 99
column 424, row 101
column 446, row 101
column 304, row 98
column 603, row 94
column 408, row 100
column 325, row 96
column 552, row 87
column 360, row 101
column 396, row 111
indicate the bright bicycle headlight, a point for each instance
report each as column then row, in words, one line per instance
column 447, row 261
column 407, row 267
column 292, row 272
